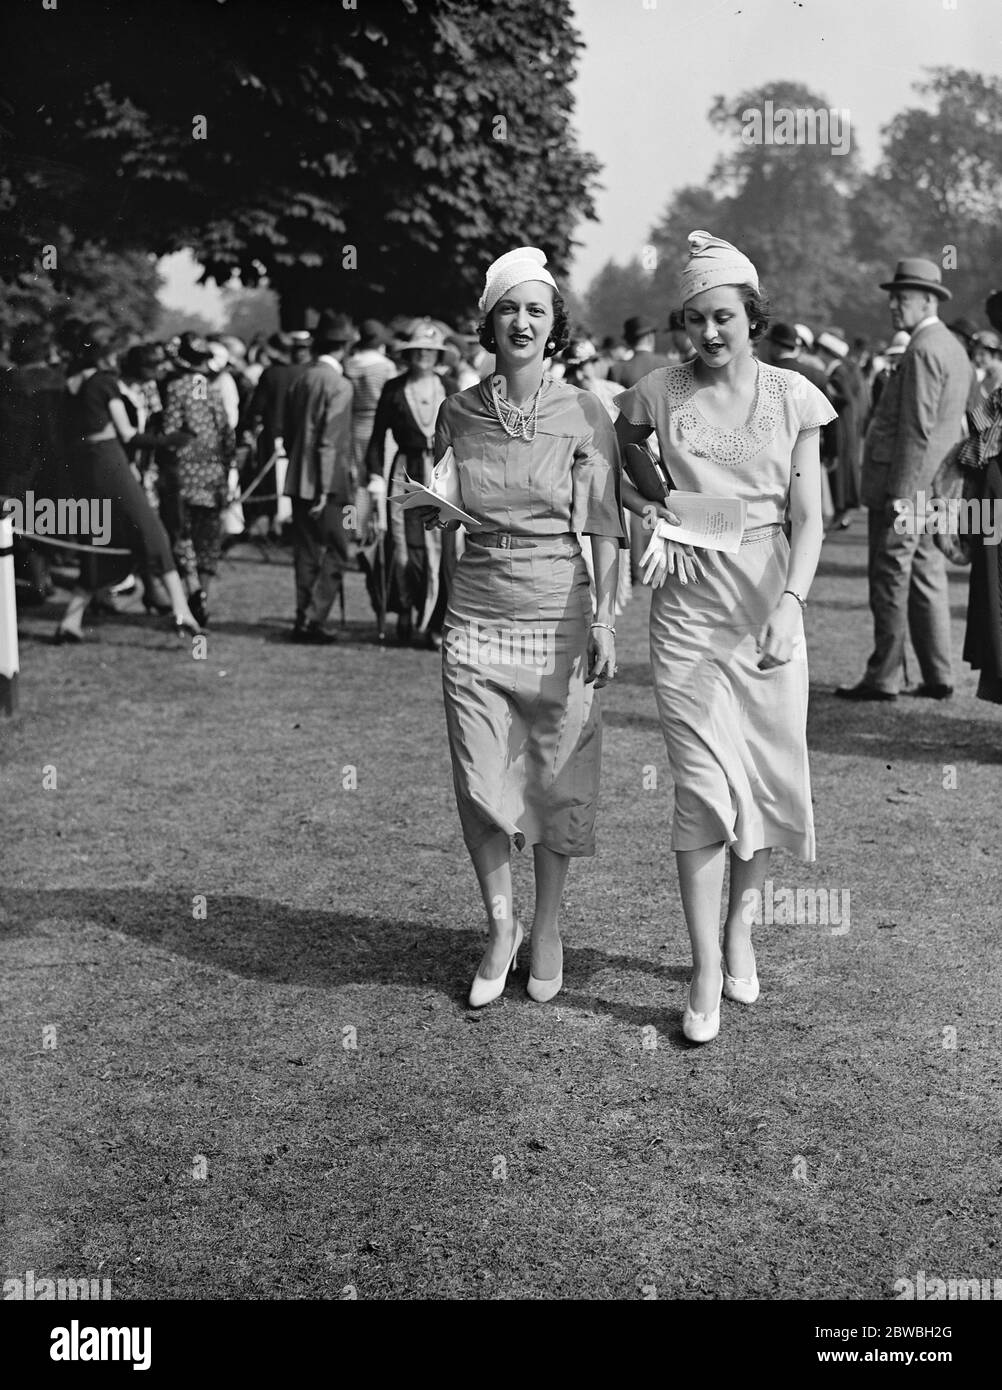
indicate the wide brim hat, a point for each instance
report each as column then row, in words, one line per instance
column 916, row 273
column 423, row 335
column 193, row 350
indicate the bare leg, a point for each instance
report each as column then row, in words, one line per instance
column 178, row 599
column 701, row 884
column 72, row 619
column 551, row 873
column 747, row 876
column 492, row 863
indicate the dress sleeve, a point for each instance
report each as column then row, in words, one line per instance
column 812, row 407
column 596, row 505
column 375, row 453
column 443, row 429
column 639, row 404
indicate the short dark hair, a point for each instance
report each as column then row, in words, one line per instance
column 758, row 310
column 140, row 357
column 559, row 333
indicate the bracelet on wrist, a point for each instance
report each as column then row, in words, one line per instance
column 606, row 626
column 801, row 601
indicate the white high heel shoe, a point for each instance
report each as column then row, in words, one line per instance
column 742, row 991
column 701, row 1028
column 485, row 991
column 545, row 990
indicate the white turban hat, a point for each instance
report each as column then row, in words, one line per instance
column 712, row 263
column 511, row 269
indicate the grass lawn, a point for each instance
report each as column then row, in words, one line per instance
column 237, row 1057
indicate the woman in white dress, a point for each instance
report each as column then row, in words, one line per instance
column 726, row 630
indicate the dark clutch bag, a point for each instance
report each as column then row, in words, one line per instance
column 647, row 474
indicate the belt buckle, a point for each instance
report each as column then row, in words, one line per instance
column 504, row 541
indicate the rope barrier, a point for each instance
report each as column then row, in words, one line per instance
column 68, row 545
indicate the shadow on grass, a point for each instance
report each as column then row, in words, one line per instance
column 906, row 731
column 269, row 941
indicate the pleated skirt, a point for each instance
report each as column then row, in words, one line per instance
column 524, row 728
column 736, row 736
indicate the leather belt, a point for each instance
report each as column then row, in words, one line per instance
column 508, row 540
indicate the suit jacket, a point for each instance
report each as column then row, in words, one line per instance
column 316, row 432
column 635, row 368
column 918, row 418
column 267, row 405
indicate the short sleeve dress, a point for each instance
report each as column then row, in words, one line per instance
column 736, row 736
column 524, row 728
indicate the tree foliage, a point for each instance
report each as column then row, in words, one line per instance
column 822, row 231
column 938, row 185
column 372, row 156
column 83, row 282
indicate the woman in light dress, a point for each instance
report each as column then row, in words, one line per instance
column 726, row 630
column 524, row 651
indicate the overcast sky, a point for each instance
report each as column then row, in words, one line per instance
column 651, row 68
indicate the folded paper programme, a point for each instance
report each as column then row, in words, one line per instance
column 715, row 523
column 443, row 494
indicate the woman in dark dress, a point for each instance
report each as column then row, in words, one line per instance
column 99, row 431
column 418, row 562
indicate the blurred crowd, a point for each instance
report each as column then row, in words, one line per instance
column 298, row 438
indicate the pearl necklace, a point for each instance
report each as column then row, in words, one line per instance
column 515, row 422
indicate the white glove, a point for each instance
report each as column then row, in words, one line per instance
column 654, row 562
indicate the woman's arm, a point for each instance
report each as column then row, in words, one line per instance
column 628, row 433
column 783, row 626
column 668, row 557
column 124, row 427
column 601, row 638
column 807, row 526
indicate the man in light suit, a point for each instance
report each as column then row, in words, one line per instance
column 320, row 477
column 918, row 418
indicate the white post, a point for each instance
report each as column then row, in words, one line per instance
column 8, row 617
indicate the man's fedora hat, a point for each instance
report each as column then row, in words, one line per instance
column 916, row 273
column 784, row 335
column 423, row 334
column 637, row 327
column 334, row 328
